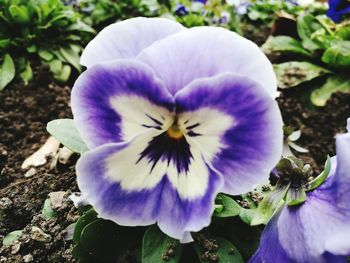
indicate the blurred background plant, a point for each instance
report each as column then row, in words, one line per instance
column 100, row 13
column 36, row 32
column 319, row 51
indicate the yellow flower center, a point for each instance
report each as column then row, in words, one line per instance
column 174, row 131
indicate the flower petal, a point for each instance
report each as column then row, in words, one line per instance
column 342, row 174
column 237, row 126
column 132, row 191
column 114, row 102
column 204, row 52
column 270, row 249
column 303, row 232
column 127, row 38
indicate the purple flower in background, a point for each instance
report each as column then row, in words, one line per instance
column 337, row 9
column 180, row 10
column 319, row 229
column 241, row 6
column 172, row 116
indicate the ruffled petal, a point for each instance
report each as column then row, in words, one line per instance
column 131, row 190
column 237, row 126
column 116, row 101
column 127, row 38
column 204, row 52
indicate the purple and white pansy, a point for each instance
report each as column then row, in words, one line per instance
column 173, row 116
column 317, row 230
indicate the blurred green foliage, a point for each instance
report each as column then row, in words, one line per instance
column 325, row 46
column 39, row 32
column 100, row 13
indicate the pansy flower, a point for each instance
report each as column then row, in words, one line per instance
column 317, row 230
column 337, row 9
column 172, row 116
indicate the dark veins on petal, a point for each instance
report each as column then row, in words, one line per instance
column 163, row 147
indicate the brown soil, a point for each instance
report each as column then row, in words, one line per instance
column 318, row 126
column 24, row 112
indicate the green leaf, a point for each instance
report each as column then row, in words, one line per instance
column 270, row 203
column 106, row 241
column 47, row 210
column 338, row 55
column 227, row 206
column 27, row 74
column 295, row 196
column 4, row 43
column 55, row 66
column 81, row 26
column 291, row 74
column 19, row 14
column 343, row 32
column 321, row 177
column 306, row 26
column 63, row 75
column 65, row 131
column 226, row 252
column 156, row 245
column 71, row 57
column 32, row 49
column 247, row 215
column 335, row 83
column 87, row 218
column 45, row 54
column 12, row 237
column 7, row 71
column 284, row 44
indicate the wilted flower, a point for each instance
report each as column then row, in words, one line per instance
column 317, row 230
column 172, row 116
column 337, row 9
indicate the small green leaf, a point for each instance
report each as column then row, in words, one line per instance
column 228, row 205
column 64, row 74
column 4, row 43
column 335, row 83
column 306, row 26
column 270, row 203
column 291, row 74
column 226, row 252
column 12, row 237
column 295, row 196
column 47, row 210
column 247, row 215
column 81, row 26
column 156, row 244
column 87, row 218
column 338, row 55
column 19, row 14
column 71, row 57
column 343, row 32
column 7, row 71
column 55, row 66
column 27, row 74
column 284, row 44
column 105, row 240
column 32, row 49
column 45, row 54
column 321, row 177
column 65, row 131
